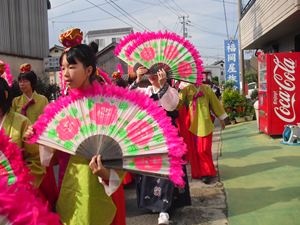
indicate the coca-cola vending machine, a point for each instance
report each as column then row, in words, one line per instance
column 279, row 91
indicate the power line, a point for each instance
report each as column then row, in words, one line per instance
column 166, row 28
column 212, row 56
column 227, row 2
column 175, row 10
column 213, row 48
column 144, row 2
column 179, row 7
column 207, row 15
column 171, row 10
column 96, row 19
column 125, row 13
column 176, row 25
column 207, row 31
column 76, row 11
column 108, row 12
column 62, row 4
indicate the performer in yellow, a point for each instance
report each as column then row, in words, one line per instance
column 15, row 126
column 82, row 199
column 201, row 101
column 31, row 105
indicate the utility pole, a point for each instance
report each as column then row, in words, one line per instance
column 242, row 67
column 185, row 21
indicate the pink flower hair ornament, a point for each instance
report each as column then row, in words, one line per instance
column 5, row 73
column 71, row 38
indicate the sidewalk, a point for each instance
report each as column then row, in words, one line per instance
column 261, row 177
column 208, row 201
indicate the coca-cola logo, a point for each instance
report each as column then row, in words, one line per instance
column 284, row 76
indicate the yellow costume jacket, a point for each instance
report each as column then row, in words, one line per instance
column 201, row 123
column 15, row 126
column 82, row 199
column 33, row 111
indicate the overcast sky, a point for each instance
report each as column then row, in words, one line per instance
column 207, row 27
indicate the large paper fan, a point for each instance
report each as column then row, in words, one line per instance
column 19, row 203
column 170, row 51
column 126, row 127
column 19, row 206
column 121, row 48
column 12, row 166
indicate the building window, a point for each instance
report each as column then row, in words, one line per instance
column 115, row 40
column 101, row 43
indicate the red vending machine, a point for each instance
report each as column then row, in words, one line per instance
column 278, row 91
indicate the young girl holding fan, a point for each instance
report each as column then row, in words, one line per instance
column 89, row 192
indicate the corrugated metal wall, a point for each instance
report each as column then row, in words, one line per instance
column 24, row 28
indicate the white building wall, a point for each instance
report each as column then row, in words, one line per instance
column 263, row 16
column 104, row 40
column 216, row 71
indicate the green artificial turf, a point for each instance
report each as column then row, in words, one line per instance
column 261, row 177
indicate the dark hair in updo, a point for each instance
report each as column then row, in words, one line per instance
column 84, row 54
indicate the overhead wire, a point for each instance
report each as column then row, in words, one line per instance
column 207, row 31
column 164, row 26
column 170, row 9
column 97, row 19
column 227, row 2
column 109, row 13
column 176, row 25
column 62, row 4
column 178, row 6
column 77, row 11
column 126, row 14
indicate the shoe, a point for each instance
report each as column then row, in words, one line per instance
column 207, row 179
column 163, row 218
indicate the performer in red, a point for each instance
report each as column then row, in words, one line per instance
column 200, row 100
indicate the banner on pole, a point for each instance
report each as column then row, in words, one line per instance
column 232, row 66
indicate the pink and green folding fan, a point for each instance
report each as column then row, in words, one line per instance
column 121, row 48
column 125, row 127
column 19, row 206
column 19, row 203
column 156, row 50
column 12, row 166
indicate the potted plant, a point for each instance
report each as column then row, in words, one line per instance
column 249, row 112
column 240, row 104
column 230, row 98
column 231, row 116
column 240, row 117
